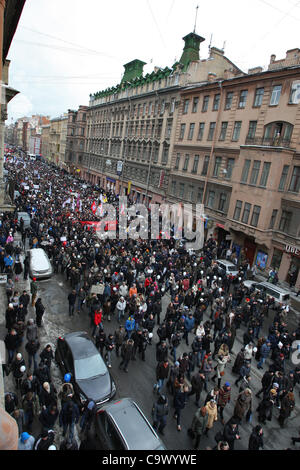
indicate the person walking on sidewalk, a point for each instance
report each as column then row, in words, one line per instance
column 33, row 291
column 72, row 300
column 199, row 425
column 39, row 311
column 160, row 412
column 68, row 417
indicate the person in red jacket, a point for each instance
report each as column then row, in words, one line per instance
column 97, row 322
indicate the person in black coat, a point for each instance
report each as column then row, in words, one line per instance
column 48, row 417
column 39, row 311
column 12, row 342
column 47, row 395
column 231, row 432
column 180, row 399
column 32, row 348
column 256, row 439
column 47, row 355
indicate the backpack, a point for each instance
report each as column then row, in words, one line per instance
column 69, row 412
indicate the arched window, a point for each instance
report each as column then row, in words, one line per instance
column 278, row 133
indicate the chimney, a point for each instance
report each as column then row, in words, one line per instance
column 133, row 69
column 191, row 49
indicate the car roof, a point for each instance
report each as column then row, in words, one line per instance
column 80, row 344
column 272, row 286
column 133, row 425
column 225, row 261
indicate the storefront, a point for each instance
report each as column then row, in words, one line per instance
column 286, row 259
column 110, row 184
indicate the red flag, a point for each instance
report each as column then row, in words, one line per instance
column 94, row 207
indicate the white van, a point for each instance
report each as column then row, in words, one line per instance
column 39, row 264
column 280, row 295
column 226, row 266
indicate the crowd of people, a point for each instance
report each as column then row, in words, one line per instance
column 207, row 310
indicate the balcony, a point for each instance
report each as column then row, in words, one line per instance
column 269, row 142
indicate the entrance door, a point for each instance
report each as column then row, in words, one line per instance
column 250, row 248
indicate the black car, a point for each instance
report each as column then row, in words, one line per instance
column 76, row 354
column 121, row 425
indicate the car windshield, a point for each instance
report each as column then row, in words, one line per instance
column 232, row 268
column 89, row 367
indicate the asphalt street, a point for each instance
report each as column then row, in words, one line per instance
column 138, row 382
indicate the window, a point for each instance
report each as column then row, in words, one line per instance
column 191, row 196
column 243, row 98
column 228, row 101
column 150, row 107
column 172, row 108
column 236, row 131
column 216, row 102
column 276, row 92
column 144, row 109
column 245, row 171
column 205, row 103
column 246, row 213
column 252, row 129
column 169, row 128
column 255, row 171
column 223, row 130
column 186, row 106
column 200, row 195
column 255, row 216
column 222, row 202
column 186, row 163
column 182, row 131
column 283, row 177
column 165, row 155
column 212, row 127
column 259, row 93
column 229, row 168
column 181, row 190
column 195, row 164
column 273, row 218
column 205, row 165
column 211, row 199
column 162, row 107
column 265, row 174
column 177, row 162
column 218, row 163
column 285, row 221
column 295, row 180
column 173, row 188
column 237, row 210
column 195, row 104
column 201, row 130
column 191, row 131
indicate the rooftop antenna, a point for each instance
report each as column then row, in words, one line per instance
column 196, row 18
column 224, row 44
column 210, row 42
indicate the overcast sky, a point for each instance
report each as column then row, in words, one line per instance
column 63, row 50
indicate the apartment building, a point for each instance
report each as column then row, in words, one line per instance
column 237, row 152
column 131, row 128
column 76, row 134
column 57, row 139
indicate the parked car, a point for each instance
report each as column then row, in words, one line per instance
column 77, row 354
column 280, row 295
column 121, row 425
column 25, row 216
column 227, row 267
column 39, row 264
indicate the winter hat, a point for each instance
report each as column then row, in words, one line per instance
column 177, row 363
column 91, row 405
column 227, row 384
column 19, row 356
column 52, row 447
column 24, row 436
column 275, row 385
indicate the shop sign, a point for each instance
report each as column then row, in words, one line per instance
column 292, row 249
